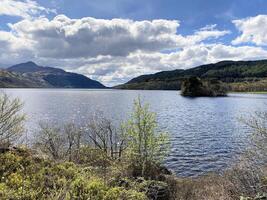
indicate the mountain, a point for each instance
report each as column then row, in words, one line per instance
column 31, row 67
column 31, row 75
column 238, row 75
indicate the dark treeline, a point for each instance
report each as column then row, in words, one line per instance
column 229, row 72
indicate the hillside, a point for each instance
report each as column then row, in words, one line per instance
column 238, row 75
column 31, row 75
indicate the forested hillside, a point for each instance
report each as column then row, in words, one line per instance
column 239, row 76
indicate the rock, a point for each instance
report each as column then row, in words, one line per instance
column 4, row 149
column 261, row 197
column 123, row 183
column 140, row 180
column 165, row 170
column 157, row 190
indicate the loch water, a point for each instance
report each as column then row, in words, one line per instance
column 206, row 133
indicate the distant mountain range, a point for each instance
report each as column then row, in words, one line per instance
column 238, row 75
column 31, row 75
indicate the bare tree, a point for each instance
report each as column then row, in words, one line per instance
column 11, row 119
column 60, row 143
column 50, row 141
column 246, row 176
column 258, row 124
column 73, row 136
column 100, row 133
column 66, row 142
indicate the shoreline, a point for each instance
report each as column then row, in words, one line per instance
column 110, row 88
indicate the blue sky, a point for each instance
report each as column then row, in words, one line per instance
column 193, row 14
column 115, row 40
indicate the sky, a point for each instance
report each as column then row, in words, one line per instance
column 113, row 41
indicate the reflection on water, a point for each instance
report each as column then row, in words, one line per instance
column 205, row 132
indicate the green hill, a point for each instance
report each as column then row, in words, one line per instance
column 238, row 75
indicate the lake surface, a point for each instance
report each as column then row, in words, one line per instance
column 205, row 132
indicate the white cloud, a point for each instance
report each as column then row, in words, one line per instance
column 253, row 30
column 114, row 70
column 22, row 8
column 63, row 37
column 114, row 51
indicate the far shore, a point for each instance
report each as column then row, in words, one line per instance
column 256, row 92
column 110, row 88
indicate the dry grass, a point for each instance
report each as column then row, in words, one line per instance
column 231, row 185
column 210, row 187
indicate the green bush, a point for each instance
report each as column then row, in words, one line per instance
column 146, row 146
column 24, row 177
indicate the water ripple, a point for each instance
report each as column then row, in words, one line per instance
column 205, row 132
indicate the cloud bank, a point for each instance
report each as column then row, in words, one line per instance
column 63, row 37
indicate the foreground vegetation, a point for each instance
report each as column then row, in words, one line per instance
column 95, row 161
column 27, row 176
column 98, row 161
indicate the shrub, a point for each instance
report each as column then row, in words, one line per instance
column 146, row 147
column 132, row 195
column 26, row 177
